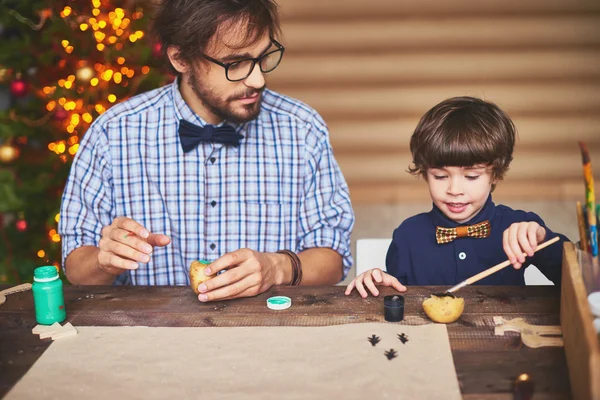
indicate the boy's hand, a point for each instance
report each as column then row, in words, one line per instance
column 371, row 278
column 522, row 237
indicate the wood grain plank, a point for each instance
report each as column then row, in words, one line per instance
column 540, row 188
column 581, row 341
column 123, row 303
column 336, row 9
column 430, row 33
column 486, row 364
column 393, row 101
column 396, row 68
column 393, row 134
column 562, row 163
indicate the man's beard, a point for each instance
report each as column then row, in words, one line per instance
column 222, row 108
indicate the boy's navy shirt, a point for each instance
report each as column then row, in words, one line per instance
column 415, row 257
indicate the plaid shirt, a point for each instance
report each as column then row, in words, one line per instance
column 281, row 189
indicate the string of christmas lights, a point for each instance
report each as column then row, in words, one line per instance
column 103, row 57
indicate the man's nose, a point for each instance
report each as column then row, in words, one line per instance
column 256, row 78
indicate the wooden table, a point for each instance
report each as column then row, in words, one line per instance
column 486, row 364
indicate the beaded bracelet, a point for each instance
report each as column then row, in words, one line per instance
column 296, row 267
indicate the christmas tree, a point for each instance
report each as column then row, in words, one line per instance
column 62, row 64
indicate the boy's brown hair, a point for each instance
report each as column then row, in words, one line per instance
column 461, row 132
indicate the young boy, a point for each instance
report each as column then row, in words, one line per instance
column 462, row 147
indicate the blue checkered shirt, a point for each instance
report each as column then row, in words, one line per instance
column 281, row 189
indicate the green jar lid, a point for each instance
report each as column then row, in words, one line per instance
column 279, row 302
column 205, row 262
column 46, row 273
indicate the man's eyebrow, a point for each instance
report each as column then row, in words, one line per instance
column 241, row 56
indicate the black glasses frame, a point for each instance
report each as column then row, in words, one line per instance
column 258, row 60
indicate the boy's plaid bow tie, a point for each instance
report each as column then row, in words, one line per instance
column 446, row 235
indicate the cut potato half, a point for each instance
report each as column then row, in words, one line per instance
column 444, row 309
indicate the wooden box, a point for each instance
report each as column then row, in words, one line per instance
column 582, row 347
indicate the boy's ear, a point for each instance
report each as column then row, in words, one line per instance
column 494, row 183
column 175, row 59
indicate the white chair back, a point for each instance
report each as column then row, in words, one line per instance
column 370, row 253
column 535, row 277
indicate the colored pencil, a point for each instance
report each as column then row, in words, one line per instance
column 590, row 197
column 581, row 224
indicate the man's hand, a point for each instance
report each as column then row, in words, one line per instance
column 246, row 273
column 519, row 238
column 124, row 243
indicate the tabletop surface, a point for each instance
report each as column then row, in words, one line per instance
column 486, row 365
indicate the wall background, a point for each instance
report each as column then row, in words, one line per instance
column 372, row 68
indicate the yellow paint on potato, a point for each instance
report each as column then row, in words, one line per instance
column 445, row 309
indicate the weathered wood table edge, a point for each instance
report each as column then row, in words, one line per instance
column 486, row 365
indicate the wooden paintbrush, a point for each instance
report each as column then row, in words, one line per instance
column 491, row 270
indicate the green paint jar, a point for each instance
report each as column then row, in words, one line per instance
column 48, row 296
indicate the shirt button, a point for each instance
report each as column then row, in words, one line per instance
column 212, row 160
column 213, row 203
column 212, row 246
column 462, row 255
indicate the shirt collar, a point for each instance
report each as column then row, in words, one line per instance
column 183, row 111
column 486, row 213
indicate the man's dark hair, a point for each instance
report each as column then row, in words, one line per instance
column 461, row 132
column 190, row 24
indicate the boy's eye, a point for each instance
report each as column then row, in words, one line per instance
column 439, row 177
column 472, row 177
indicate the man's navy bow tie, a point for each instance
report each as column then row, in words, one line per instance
column 190, row 135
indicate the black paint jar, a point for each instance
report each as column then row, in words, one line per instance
column 393, row 308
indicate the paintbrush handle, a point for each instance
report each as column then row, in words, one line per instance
column 496, row 268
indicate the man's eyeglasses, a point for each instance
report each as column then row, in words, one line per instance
column 239, row 70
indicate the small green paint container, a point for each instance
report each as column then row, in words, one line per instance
column 48, row 296
column 279, row 302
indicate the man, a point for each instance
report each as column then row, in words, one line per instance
column 149, row 192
